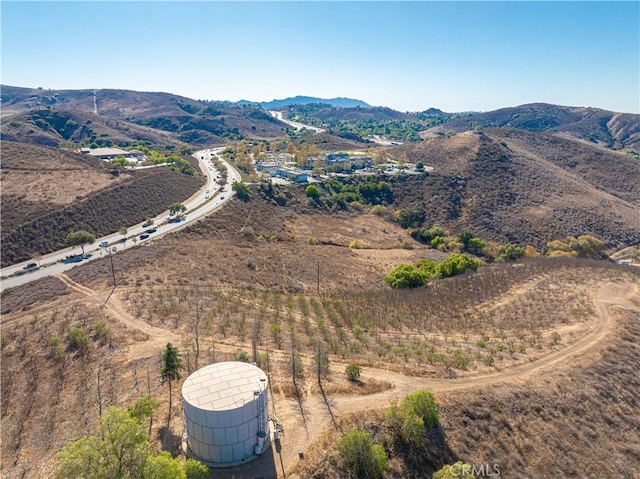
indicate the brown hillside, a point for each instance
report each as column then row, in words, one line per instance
column 124, row 116
column 38, row 180
column 599, row 127
column 48, row 193
column 523, row 187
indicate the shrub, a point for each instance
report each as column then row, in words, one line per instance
column 406, row 244
column 417, row 412
column 312, row 241
column 241, row 356
column 356, row 244
column 55, row 345
column 406, row 276
column 360, row 456
column 102, row 331
column 78, row 340
column 353, row 372
column 510, row 252
column 312, row 192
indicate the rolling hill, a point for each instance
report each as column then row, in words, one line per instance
column 340, row 102
column 48, row 193
column 514, row 185
column 599, row 127
column 121, row 117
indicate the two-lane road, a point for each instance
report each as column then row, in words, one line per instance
column 208, row 199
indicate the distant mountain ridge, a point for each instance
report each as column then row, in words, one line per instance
column 601, row 127
column 340, row 102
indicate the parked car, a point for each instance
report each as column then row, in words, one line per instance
column 104, row 243
column 144, row 236
column 150, row 230
column 30, row 266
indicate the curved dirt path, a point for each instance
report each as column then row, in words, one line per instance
column 318, row 418
column 299, row 435
column 157, row 338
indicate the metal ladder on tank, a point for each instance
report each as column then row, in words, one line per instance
column 261, row 405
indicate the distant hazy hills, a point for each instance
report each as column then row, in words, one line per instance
column 105, row 117
column 606, row 128
column 340, row 102
column 120, row 117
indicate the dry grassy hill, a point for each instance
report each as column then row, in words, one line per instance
column 524, row 187
column 47, row 193
column 51, row 116
column 468, row 330
column 599, row 127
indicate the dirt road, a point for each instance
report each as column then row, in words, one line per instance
column 301, row 432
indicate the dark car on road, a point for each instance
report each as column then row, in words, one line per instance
column 150, row 230
column 144, row 236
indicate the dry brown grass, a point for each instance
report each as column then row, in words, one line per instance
column 578, row 421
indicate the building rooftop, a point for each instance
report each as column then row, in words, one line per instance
column 223, row 386
column 107, row 152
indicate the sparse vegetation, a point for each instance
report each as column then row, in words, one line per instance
column 360, row 456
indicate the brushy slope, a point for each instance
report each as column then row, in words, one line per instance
column 524, row 188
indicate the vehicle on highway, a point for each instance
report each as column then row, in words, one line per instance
column 150, row 230
column 144, row 236
column 76, row 258
column 222, row 197
column 104, row 243
column 30, row 266
column 145, row 224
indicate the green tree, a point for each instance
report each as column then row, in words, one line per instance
column 171, row 365
column 406, row 276
column 80, row 238
column 78, row 340
column 360, row 456
column 121, row 450
column 241, row 189
column 120, row 161
column 123, row 231
column 163, row 466
column 409, row 218
column 312, row 192
column 353, row 372
column 196, row 470
column 176, row 209
column 510, row 252
column 417, row 412
column 457, row 264
column 454, row 471
column 144, row 407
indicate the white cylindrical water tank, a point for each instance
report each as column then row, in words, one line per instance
column 225, row 408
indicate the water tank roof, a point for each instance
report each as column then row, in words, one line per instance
column 224, row 386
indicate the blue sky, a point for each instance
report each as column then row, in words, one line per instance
column 456, row 56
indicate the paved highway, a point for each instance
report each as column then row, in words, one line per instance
column 297, row 126
column 208, row 199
